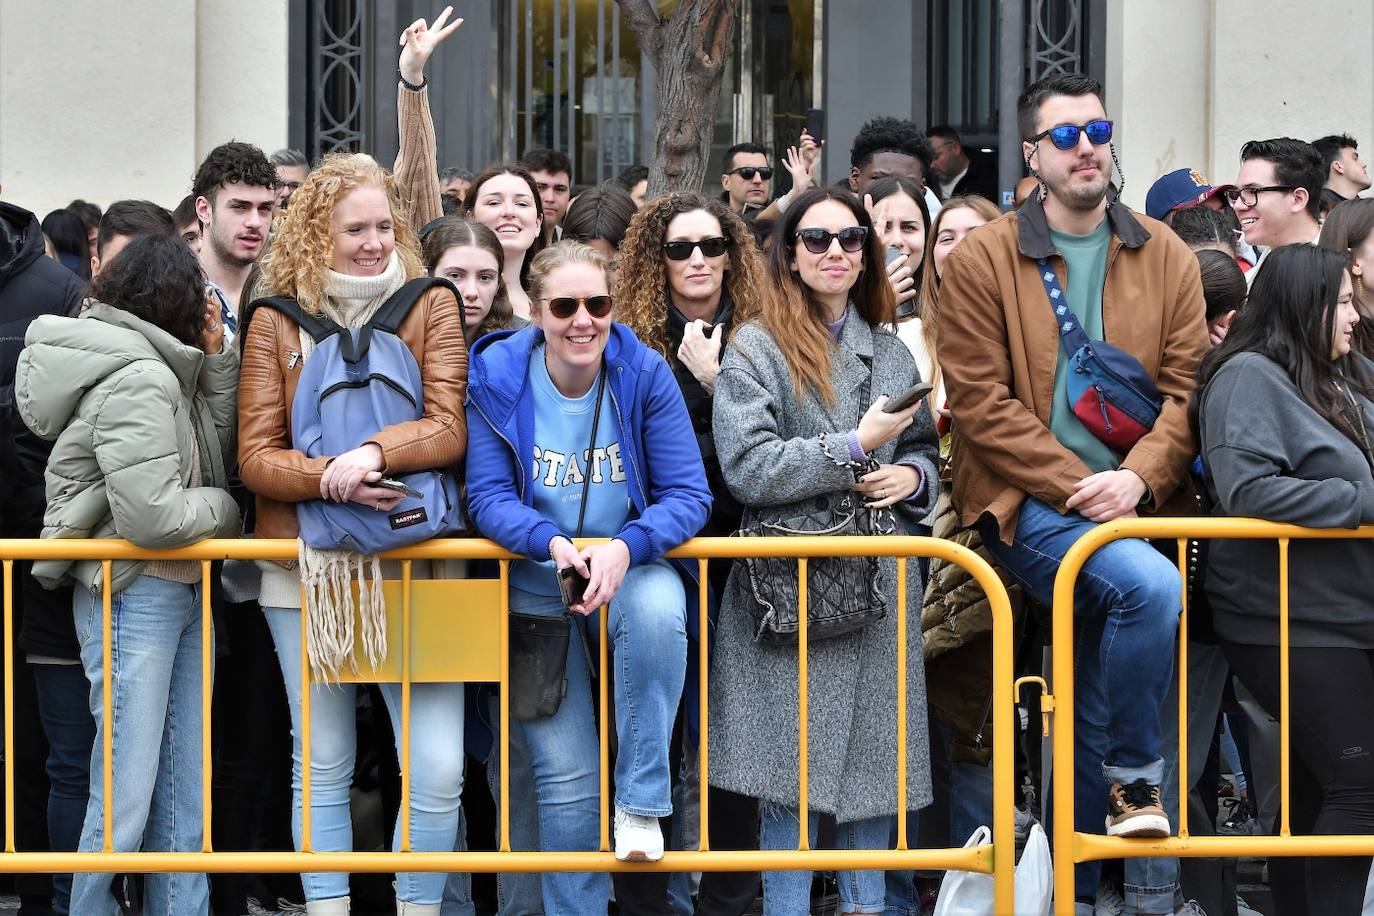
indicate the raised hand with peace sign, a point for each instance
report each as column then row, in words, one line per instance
column 418, row 42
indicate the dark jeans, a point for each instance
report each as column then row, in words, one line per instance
column 1332, row 767
column 252, row 754
column 62, row 705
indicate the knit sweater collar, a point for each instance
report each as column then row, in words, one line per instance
column 350, row 301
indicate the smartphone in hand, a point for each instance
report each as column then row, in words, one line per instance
column 400, row 486
column 815, row 124
column 907, row 398
column 571, row 586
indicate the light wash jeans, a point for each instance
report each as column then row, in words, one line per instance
column 436, row 765
column 648, row 632
column 155, row 677
column 788, row 893
column 1127, row 601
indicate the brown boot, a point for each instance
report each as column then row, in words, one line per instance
column 1135, row 811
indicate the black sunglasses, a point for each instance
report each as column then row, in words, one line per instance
column 713, row 247
column 817, row 241
column 747, row 172
column 564, row 307
column 1065, row 136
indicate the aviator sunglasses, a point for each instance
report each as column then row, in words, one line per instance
column 713, row 247
column 817, row 241
column 1065, row 136
column 564, row 307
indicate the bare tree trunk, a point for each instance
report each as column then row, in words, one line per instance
column 688, row 51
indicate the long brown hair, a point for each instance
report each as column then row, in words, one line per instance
column 1348, row 226
column 298, row 260
column 641, row 283
column 475, row 189
column 929, row 308
column 458, row 232
column 793, row 315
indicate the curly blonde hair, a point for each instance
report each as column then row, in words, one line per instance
column 641, row 283
column 298, row 261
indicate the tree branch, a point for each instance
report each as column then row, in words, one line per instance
column 643, row 19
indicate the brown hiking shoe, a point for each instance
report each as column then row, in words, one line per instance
column 1135, row 811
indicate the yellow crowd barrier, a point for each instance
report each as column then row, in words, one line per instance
column 1071, row 847
column 454, row 630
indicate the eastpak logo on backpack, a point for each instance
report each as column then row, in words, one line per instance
column 357, row 382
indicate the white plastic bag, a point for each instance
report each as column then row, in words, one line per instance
column 966, row 893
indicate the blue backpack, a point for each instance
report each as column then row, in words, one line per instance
column 356, row 382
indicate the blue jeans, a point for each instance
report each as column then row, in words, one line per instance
column 648, row 632
column 788, row 893
column 517, row 893
column 64, row 707
column 436, row 765
column 156, row 702
column 1128, row 599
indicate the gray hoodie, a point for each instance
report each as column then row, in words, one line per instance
column 118, row 397
column 1271, row 456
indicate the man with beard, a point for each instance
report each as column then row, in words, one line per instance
column 236, row 193
column 1033, row 478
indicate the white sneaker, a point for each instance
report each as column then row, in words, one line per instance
column 1191, row 908
column 637, row 837
column 1109, row 901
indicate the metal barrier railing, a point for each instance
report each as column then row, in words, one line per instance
column 1071, row 847
column 425, row 604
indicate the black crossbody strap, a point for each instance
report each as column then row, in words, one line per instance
column 591, row 449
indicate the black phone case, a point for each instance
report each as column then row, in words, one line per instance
column 571, row 585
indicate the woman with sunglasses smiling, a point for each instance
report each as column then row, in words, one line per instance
column 576, row 424
column 799, row 421
column 690, row 273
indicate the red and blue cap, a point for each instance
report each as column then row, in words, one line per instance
column 1178, row 190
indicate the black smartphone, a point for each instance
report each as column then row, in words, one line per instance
column 400, row 486
column 815, row 124
column 907, row 398
column 571, row 585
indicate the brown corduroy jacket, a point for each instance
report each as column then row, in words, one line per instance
column 998, row 344
column 279, row 475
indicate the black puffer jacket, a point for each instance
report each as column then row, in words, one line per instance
column 30, row 285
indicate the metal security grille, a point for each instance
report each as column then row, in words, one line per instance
column 337, row 83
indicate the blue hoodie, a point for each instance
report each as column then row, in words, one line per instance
column 666, row 477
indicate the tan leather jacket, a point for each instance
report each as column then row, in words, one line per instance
column 279, row 475
column 998, row 345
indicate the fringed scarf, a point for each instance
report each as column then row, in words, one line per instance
column 327, row 576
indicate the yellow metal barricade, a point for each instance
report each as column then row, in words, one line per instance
column 454, row 630
column 1071, row 847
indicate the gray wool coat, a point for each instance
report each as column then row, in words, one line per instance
column 774, row 450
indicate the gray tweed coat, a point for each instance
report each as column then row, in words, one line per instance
column 774, row 450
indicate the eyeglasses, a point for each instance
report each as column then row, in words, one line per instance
column 747, row 172
column 564, row 307
column 817, row 241
column 1248, row 197
column 1065, row 136
column 713, row 247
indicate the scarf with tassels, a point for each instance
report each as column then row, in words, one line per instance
column 328, row 576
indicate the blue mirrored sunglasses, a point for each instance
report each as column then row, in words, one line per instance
column 1065, row 136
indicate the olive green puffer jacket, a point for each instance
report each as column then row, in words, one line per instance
column 118, row 397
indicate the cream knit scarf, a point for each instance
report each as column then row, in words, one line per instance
column 327, row 576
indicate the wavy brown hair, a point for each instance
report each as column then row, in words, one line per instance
column 793, row 315
column 457, row 232
column 641, row 283
column 298, row 262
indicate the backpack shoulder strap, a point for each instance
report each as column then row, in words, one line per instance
column 393, row 312
column 317, row 326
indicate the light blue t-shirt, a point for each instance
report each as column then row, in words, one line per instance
column 559, row 470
